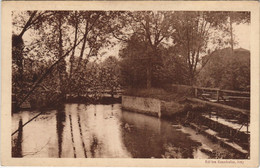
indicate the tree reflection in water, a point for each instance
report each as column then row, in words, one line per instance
column 17, row 142
column 106, row 131
column 60, row 118
column 80, row 132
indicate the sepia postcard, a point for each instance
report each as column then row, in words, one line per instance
column 130, row 83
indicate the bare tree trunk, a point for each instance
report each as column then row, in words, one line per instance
column 134, row 78
column 17, row 56
column 191, row 79
column 17, row 48
column 28, row 23
column 72, row 58
column 149, row 75
column 62, row 64
column 83, row 46
column 231, row 34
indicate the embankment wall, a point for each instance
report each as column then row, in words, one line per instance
column 148, row 106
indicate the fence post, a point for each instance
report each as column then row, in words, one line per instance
column 196, row 92
column 247, row 126
column 218, row 95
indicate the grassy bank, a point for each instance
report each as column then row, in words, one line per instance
column 168, row 93
column 173, row 99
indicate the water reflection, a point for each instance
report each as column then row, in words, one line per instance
column 151, row 137
column 39, row 137
column 102, row 131
column 72, row 139
column 81, row 135
column 17, row 142
column 60, row 117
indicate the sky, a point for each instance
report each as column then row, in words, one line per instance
column 242, row 35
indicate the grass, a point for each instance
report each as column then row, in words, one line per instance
column 170, row 93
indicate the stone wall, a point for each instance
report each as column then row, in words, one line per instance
column 148, row 106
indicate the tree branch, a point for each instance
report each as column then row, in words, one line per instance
column 46, row 73
column 28, row 23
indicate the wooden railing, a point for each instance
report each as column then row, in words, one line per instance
column 224, row 95
column 220, row 94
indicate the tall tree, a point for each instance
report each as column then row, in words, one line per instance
column 191, row 36
column 74, row 21
column 133, row 62
column 154, row 27
column 95, row 34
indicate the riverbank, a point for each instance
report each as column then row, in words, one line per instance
column 229, row 126
column 45, row 104
column 173, row 99
column 92, row 100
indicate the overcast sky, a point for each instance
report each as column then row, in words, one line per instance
column 242, row 34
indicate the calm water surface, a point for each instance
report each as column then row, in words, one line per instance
column 104, row 131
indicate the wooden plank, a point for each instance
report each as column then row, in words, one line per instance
column 204, row 88
column 196, row 92
column 217, row 95
column 236, row 97
column 233, row 91
column 225, row 91
column 243, row 111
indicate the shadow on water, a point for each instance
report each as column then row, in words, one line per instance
column 60, row 118
column 93, row 146
column 104, row 131
column 94, row 143
column 72, row 138
column 17, row 148
column 81, row 135
column 150, row 137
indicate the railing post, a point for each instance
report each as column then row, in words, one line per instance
column 196, row 92
column 247, row 126
column 218, row 95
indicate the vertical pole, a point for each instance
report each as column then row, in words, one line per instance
column 159, row 109
column 217, row 95
column 196, row 92
column 247, row 126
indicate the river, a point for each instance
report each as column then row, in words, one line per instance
column 105, row 131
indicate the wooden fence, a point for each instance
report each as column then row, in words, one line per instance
column 219, row 94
